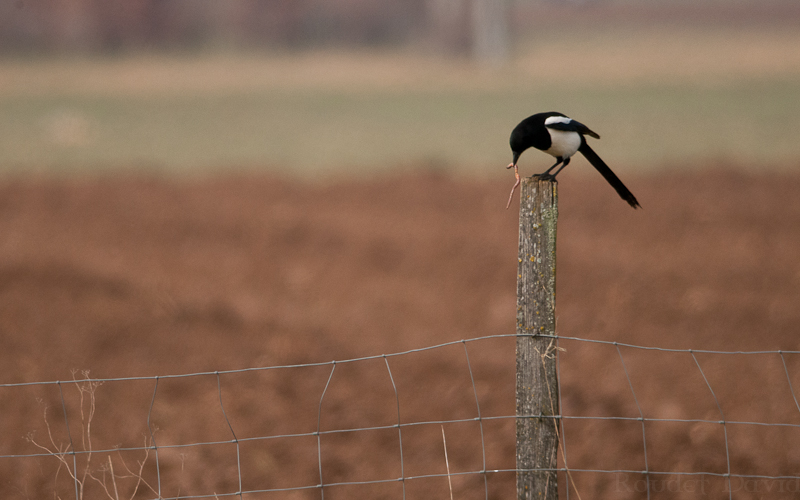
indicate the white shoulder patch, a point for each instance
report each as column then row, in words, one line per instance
column 557, row 119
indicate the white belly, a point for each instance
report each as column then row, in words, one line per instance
column 564, row 144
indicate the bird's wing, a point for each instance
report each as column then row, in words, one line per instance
column 570, row 125
column 606, row 172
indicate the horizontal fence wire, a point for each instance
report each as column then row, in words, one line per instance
column 485, row 472
column 409, row 424
column 395, row 354
column 460, row 474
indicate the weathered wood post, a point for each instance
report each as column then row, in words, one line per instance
column 537, row 385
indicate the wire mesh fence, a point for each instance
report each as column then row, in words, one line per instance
column 636, row 422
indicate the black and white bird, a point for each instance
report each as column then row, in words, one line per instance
column 562, row 137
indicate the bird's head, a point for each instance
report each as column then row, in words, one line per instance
column 520, row 140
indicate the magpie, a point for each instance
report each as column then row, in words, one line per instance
column 560, row 136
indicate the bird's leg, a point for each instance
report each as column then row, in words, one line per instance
column 566, row 162
column 546, row 173
column 516, row 174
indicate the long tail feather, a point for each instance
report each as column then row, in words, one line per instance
column 609, row 176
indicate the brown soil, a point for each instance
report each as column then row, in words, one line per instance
column 147, row 276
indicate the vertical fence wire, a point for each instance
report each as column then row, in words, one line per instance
column 399, row 427
column 789, row 379
column 641, row 419
column 562, row 438
column 71, row 443
column 235, row 440
column 724, row 425
column 319, row 423
column 153, row 436
column 480, row 423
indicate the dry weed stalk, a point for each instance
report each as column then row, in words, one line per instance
column 447, row 463
column 79, row 466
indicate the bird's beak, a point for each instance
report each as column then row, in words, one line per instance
column 513, row 164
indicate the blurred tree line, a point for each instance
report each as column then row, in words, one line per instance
column 467, row 27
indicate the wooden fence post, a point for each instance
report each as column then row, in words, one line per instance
column 537, row 384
